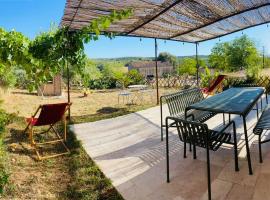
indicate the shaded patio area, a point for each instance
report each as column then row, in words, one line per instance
column 129, row 152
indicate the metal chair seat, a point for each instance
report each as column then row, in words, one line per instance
column 196, row 115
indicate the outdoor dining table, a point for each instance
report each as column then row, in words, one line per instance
column 239, row 101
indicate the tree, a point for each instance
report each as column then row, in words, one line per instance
column 188, row 66
column 167, row 57
column 241, row 53
column 219, row 57
column 13, row 53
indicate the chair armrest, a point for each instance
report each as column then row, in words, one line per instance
column 227, row 126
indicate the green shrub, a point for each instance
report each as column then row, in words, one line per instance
column 135, row 77
column 206, row 77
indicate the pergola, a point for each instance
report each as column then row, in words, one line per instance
column 191, row 21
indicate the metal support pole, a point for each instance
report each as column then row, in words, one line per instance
column 197, row 64
column 156, row 70
column 68, row 88
column 263, row 56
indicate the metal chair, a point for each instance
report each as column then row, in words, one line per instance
column 262, row 124
column 199, row 135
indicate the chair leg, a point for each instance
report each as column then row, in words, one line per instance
column 266, row 98
column 185, row 149
column 190, row 147
column 65, row 129
column 208, row 174
column 223, row 119
column 167, row 152
column 31, row 132
column 260, row 149
column 194, row 152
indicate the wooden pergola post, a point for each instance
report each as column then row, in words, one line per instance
column 156, row 70
column 68, row 87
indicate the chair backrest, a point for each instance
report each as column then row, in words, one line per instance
column 177, row 102
column 193, row 132
column 216, row 83
column 199, row 135
column 51, row 113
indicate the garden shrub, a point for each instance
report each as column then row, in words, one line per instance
column 135, row 77
column 111, row 79
column 206, row 77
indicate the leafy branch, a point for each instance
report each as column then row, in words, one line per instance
column 48, row 53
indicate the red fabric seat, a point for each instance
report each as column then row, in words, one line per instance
column 32, row 121
column 214, row 85
column 49, row 114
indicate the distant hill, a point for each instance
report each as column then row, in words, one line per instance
column 128, row 59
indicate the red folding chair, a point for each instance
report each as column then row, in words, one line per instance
column 49, row 115
column 214, row 86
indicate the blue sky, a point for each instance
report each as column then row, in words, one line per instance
column 33, row 16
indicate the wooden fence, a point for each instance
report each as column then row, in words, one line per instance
column 262, row 81
column 174, row 82
column 191, row 81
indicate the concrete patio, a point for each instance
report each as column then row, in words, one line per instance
column 129, row 152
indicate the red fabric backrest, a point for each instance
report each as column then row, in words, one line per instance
column 218, row 80
column 51, row 113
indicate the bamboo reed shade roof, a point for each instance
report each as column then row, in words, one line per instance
column 182, row 20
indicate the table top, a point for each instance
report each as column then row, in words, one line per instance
column 234, row 101
column 137, row 86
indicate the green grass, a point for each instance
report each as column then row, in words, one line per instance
column 4, row 174
column 107, row 113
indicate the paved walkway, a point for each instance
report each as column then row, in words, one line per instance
column 129, row 151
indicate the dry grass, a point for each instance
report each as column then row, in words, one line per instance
column 98, row 102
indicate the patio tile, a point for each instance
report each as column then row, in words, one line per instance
column 220, row 190
column 262, row 189
column 240, row 192
column 241, row 177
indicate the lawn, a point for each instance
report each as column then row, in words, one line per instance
column 67, row 177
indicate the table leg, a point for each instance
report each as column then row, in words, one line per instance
column 257, row 109
column 247, row 145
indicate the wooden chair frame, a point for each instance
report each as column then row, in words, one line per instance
column 217, row 88
column 51, row 128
